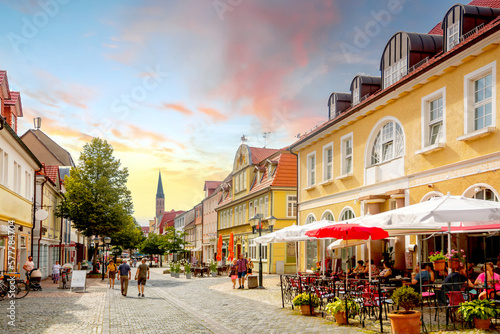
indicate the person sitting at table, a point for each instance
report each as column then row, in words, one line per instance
column 492, row 279
column 497, row 269
column 359, row 268
column 424, row 274
column 373, row 268
column 453, row 282
column 387, row 271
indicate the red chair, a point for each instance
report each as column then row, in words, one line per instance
column 455, row 298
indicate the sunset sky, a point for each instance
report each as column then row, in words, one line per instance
column 173, row 85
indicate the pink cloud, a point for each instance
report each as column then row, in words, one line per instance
column 214, row 114
column 177, row 107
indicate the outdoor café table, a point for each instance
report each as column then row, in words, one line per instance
column 197, row 271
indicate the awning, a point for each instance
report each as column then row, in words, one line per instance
column 472, row 229
column 197, row 249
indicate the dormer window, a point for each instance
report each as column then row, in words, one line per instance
column 453, row 34
column 355, row 96
column 395, row 72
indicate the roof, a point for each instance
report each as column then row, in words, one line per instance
column 15, row 99
column 8, row 129
column 145, row 229
column 285, row 174
column 159, row 190
column 4, row 83
column 52, row 172
column 437, row 30
column 340, row 97
column 57, row 151
column 367, row 80
column 259, row 154
column 211, row 185
column 167, row 217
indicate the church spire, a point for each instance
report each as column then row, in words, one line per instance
column 160, row 198
column 159, row 191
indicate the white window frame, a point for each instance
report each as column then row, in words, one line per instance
column 450, row 43
column 250, row 209
column 426, row 123
column 345, row 156
column 327, row 212
column 355, row 96
column 310, row 218
column 343, row 213
column 266, row 207
column 311, row 169
column 469, row 131
column 395, row 72
column 327, row 166
column 252, row 249
column 291, row 203
column 1, row 167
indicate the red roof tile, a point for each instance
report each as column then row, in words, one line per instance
column 259, row 154
column 52, row 173
column 168, row 216
column 211, row 185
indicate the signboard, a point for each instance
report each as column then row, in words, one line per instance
column 78, row 279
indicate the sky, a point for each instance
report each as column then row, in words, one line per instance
column 174, row 85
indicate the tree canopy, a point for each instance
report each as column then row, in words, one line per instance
column 97, row 200
column 129, row 236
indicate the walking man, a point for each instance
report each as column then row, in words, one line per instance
column 141, row 275
column 125, row 276
column 242, row 270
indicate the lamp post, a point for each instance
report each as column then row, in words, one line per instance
column 256, row 223
column 105, row 244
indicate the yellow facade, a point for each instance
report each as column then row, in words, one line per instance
column 249, row 192
column 463, row 163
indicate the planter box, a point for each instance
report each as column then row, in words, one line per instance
column 306, row 310
column 252, row 282
column 188, row 276
column 340, row 318
column 214, row 274
column 402, row 322
column 176, row 275
column 482, row 324
column 439, row 265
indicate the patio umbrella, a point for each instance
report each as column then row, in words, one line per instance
column 353, row 231
column 219, row 249
column 446, row 210
column 231, row 248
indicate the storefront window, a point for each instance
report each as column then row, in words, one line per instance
column 311, row 248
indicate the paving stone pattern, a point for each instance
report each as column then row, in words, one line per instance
column 170, row 306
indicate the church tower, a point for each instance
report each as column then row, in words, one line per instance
column 160, row 198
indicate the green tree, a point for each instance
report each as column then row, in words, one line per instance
column 129, row 237
column 175, row 240
column 97, row 200
column 155, row 244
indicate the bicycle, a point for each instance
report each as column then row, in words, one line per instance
column 17, row 290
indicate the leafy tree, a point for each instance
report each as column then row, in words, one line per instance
column 97, row 200
column 155, row 244
column 175, row 240
column 129, row 237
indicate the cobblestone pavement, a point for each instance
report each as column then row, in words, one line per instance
column 199, row 305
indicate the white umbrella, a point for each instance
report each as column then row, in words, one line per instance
column 447, row 210
column 340, row 243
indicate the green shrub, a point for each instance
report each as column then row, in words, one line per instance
column 339, row 306
column 306, row 299
column 406, row 298
column 481, row 309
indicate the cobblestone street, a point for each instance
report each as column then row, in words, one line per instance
column 199, row 305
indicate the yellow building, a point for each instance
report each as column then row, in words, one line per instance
column 426, row 127
column 262, row 181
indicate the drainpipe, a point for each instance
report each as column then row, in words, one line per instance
column 40, row 238
column 34, row 207
column 297, row 255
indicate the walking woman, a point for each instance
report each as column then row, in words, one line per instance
column 111, row 274
column 233, row 273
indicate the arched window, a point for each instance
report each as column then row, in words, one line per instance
column 347, row 214
column 328, row 215
column 310, row 219
column 485, row 194
column 388, row 144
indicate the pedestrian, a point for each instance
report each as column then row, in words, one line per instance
column 233, row 273
column 242, row 270
column 125, row 275
column 249, row 266
column 56, row 269
column 29, row 265
column 135, row 262
column 111, row 274
column 141, row 275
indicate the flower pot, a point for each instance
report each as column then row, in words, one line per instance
column 403, row 322
column 481, row 323
column 188, row 276
column 439, row 265
column 176, row 275
column 172, row 274
column 214, row 274
column 340, row 318
column 454, row 263
column 306, row 310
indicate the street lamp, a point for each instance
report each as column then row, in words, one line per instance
column 256, row 223
column 105, row 244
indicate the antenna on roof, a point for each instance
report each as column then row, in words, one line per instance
column 265, row 138
column 244, row 139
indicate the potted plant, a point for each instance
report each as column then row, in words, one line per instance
column 306, row 301
column 455, row 257
column 187, row 270
column 337, row 308
column 407, row 321
column 481, row 311
column 177, row 269
column 439, row 260
column 213, row 268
